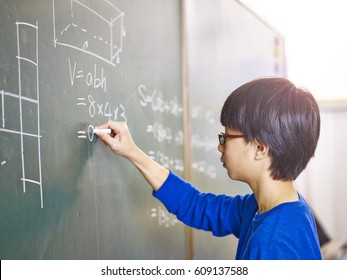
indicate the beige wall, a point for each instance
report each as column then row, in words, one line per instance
column 324, row 182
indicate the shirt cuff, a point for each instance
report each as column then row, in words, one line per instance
column 173, row 191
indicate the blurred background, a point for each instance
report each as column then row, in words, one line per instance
column 315, row 44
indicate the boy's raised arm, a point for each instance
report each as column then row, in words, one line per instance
column 121, row 143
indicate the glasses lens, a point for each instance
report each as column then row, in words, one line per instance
column 221, row 137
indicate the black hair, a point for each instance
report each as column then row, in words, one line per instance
column 276, row 113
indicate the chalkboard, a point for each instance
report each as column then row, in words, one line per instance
column 65, row 66
column 227, row 46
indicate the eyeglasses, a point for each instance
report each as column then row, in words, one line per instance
column 223, row 137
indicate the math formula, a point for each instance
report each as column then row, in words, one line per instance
column 94, row 78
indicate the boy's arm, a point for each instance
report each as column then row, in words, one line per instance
column 204, row 211
column 121, row 143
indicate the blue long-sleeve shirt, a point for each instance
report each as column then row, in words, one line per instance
column 288, row 231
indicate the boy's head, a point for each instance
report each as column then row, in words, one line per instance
column 280, row 115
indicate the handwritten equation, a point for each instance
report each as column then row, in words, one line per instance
column 94, row 78
column 155, row 101
column 163, row 218
column 204, row 143
column 166, row 161
column 163, row 133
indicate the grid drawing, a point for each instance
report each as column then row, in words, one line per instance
column 27, row 134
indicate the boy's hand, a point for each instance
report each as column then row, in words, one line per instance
column 119, row 140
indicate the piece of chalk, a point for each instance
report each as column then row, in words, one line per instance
column 102, row 130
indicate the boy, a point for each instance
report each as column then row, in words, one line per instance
column 271, row 132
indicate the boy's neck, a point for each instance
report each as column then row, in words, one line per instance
column 271, row 193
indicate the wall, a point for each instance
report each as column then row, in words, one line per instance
column 324, row 181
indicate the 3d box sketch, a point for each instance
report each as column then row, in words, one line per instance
column 95, row 28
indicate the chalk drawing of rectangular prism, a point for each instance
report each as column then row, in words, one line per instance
column 95, row 28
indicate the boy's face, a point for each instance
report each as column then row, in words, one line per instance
column 237, row 156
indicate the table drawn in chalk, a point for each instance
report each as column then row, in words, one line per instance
column 28, row 101
column 83, row 29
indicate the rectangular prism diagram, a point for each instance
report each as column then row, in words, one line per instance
column 95, row 28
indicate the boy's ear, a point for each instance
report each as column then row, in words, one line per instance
column 260, row 150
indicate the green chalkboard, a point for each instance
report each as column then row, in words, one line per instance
column 66, row 65
column 227, row 46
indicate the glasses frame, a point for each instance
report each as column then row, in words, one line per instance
column 222, row 137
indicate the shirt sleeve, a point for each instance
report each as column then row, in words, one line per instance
column 220, row 214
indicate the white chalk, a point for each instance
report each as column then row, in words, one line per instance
column 102, row 130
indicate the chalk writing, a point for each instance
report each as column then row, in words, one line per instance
column 99, row 109
column 202, row 114
column 166, row 161
column 161, row 134
column 2, row 109
column 25, row 134
column 94, row 78
column 82, row 134
column 102, row 108
column 154, row 99
column 203, row 142
column 106, row 110
column 205, row 168
column 78, row 23
column 163, row 217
